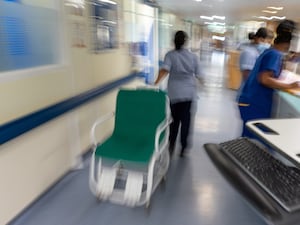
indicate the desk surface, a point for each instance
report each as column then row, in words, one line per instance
column 294, row 91
column 287, row 139
column 289, row 77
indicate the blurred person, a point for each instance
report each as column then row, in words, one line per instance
column 182, row 66
column 286, row 26
column 250, row 40
column 261, row 41
column 289, row 26
column 251, row 36
column 256, row 96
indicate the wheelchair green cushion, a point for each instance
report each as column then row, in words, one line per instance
column 138, row 114
column 127, row 150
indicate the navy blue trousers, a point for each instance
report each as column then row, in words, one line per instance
column 181, row 113
column 252, row 113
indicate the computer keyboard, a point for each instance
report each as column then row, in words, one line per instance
column 280, row 181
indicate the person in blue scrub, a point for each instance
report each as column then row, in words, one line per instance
column 182, row 66
column 256, row 96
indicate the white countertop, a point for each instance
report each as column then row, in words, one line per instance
column 288, row 138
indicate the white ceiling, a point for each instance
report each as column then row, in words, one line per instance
column 233, row 10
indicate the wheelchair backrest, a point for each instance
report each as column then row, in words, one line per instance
column 139, row 112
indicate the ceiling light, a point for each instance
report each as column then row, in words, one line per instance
column 198, row 0
column 215, row 37
column 215, row 23
column 275, row 8
column 268, row 11
column 213, row 17
column 219, row 17
column 206, row 17
column 271, row 17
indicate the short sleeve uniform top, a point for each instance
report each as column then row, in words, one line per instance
column 255, row 93
column 248, row 57
column 183, row 67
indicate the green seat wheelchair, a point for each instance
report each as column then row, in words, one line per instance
column 127, row 167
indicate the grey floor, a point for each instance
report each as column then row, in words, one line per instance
column 195, row 193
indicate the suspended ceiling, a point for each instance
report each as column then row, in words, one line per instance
column 233, row 10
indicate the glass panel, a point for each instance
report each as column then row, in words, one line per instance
column 104, row 24
column 29, row 36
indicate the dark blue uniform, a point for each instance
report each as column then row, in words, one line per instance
column 255, row 99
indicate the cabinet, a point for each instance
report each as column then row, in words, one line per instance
column 286, row 105
column 234, row 77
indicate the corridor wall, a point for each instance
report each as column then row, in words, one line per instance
column 34, row 161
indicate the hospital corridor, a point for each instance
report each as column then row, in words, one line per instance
column 194, row 192
column 92, row 92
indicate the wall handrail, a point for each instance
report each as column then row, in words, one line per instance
column 15, row 128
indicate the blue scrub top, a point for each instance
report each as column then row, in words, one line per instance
column 255, row 93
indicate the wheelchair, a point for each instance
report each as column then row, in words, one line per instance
column 128, row 166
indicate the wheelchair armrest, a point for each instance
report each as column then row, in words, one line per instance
column 99, row 121
column 162, row 127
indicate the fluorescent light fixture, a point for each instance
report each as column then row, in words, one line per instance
column 215, row 37
column 206, row 17
column 271, row 17
column 219, row 17
column 215, row 23
column 268, row 11
column 198, row 0
column 213, row 17
column 275, row 8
